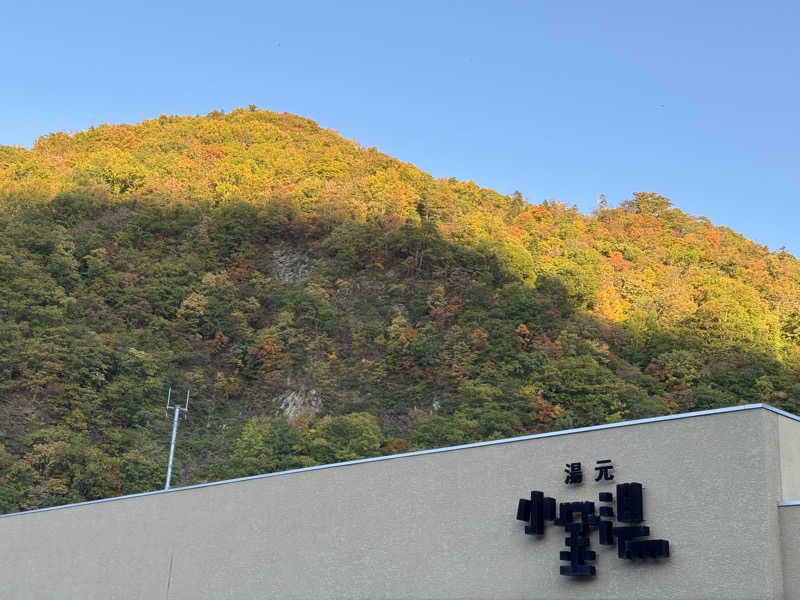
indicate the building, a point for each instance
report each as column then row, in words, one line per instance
column 717, row 516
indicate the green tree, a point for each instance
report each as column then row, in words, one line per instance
column 266, row 445
column 343, row 438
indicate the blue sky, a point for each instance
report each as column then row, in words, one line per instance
column 697, row 101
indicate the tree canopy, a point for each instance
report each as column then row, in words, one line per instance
column 325, row 302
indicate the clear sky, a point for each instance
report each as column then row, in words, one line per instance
column 698, row 101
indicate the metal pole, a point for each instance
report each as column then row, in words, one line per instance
column 177, row 412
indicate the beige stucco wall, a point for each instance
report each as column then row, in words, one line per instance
column 789, row 432
column 789, row 516
column 790, row 539
column 438, row 525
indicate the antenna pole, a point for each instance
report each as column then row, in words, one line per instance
column 175, row 416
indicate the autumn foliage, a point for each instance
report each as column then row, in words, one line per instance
column 326, row 302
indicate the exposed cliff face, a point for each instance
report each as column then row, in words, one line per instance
column 290, row 265
column 326, row 302
column 295, row 403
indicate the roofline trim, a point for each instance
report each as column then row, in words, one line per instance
column 700, row 413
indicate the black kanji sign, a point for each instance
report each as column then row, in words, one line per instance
column 574, row 473
column 579, row 519
column 603, row 469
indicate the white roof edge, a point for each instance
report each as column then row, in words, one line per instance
column 700, row 413
column 789, row 503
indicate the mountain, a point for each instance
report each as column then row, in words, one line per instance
column 326, row 302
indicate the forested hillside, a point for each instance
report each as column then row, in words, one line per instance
column 326, row 302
